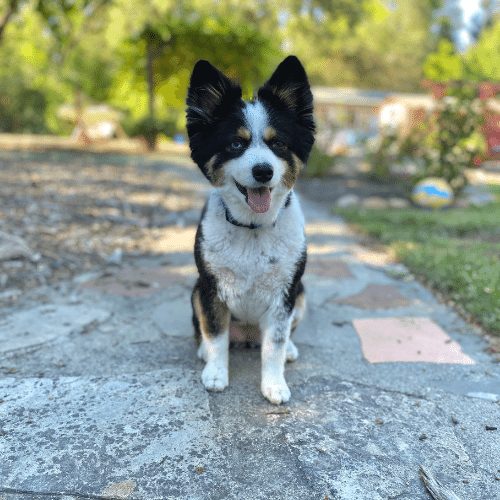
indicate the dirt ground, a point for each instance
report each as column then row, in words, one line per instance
column 78, row 211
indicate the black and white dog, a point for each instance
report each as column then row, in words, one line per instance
column 250, row 247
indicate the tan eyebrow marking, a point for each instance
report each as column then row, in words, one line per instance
column 244, row 133
column 269, row 133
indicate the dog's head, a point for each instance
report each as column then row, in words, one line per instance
column 253, row 151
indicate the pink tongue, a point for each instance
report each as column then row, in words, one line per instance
column 259, row 199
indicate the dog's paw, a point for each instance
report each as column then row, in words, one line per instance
column 214, row 377
column 276, row 393
column 292, row 353
column 202, row 353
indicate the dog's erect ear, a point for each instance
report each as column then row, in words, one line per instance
column 210, row 95
column 289, row 87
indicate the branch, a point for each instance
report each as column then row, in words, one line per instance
column 11, row 9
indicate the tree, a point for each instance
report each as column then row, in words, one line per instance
column 444, row 64
column 367, row 44
column 9, row 8
column 482, row 60
column 156, row 61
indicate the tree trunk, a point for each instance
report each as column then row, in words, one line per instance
column 150, row 80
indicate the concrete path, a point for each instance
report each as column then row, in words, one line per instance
column 100, row 392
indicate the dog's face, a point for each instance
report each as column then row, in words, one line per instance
column 253, row 151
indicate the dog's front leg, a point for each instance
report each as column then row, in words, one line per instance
column 213, row 318
column 275, row 334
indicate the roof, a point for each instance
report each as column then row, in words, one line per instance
column 348, row 96
column 412, row 100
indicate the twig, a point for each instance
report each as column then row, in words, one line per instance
column 434, row 487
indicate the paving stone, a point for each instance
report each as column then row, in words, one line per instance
column 359, row 443
column 407, row 339
column 136, row 282
column 31, row 327
column 173, row 316
column 376, row 297
column 328, row 268
column 85, row 436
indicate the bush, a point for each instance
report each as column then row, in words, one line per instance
column 22, row 110
column 443, row 146
column 383, row 152
column 149, row 129
column 319, row 163
column 455, row 139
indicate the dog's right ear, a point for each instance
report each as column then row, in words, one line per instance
column 211, row 94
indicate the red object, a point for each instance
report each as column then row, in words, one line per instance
column 491, row 126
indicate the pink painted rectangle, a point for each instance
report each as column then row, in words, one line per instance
column 407, row 339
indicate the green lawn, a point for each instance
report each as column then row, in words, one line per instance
column 456, row 251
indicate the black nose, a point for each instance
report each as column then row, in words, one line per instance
column 262, row 172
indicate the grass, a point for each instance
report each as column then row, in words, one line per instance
column 456, row 251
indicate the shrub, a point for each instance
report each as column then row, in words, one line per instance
column 455, row 139
column 319, row 163
column 149, row 129
column 443, row 146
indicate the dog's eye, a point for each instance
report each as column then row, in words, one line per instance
column 279, row 145
column 236, row 145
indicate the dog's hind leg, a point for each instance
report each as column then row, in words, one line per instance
column 211, row 321
column 292, row 353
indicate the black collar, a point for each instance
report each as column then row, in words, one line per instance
column 234, row 222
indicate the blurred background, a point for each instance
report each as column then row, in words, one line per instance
column 406, row 101
column 102, row 69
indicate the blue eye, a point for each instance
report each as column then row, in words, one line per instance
column 236, row 145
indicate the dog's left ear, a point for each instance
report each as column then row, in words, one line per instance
column 289, row 88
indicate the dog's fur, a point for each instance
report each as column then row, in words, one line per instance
column 250, row 248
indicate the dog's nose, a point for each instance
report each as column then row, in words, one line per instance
column 262, row 172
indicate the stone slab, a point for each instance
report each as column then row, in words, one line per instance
column 375, row 296
column 35, row 326
column 136, row 282
column 409, row 340
column 359, row 442
column 173, row 316
column 146, row 433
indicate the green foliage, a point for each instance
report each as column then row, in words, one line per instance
column 319, row 163
column 456, row 251
column 479, row 63
column 242, row 51
column 444, row 64
column 482, row 60
column 99, row 48
column 455, row 139
column 22, row 109
column 368, row 43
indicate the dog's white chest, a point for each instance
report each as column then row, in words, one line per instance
column 253, row 268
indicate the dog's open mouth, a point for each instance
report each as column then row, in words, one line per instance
column 258, row 199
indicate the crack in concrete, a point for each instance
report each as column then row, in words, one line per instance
column 57, row 494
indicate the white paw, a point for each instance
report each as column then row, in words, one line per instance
column 202, row 354
column 214, row 377
column 276, row 393
column 292, row 353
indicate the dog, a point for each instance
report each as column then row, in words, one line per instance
column 250, row 246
